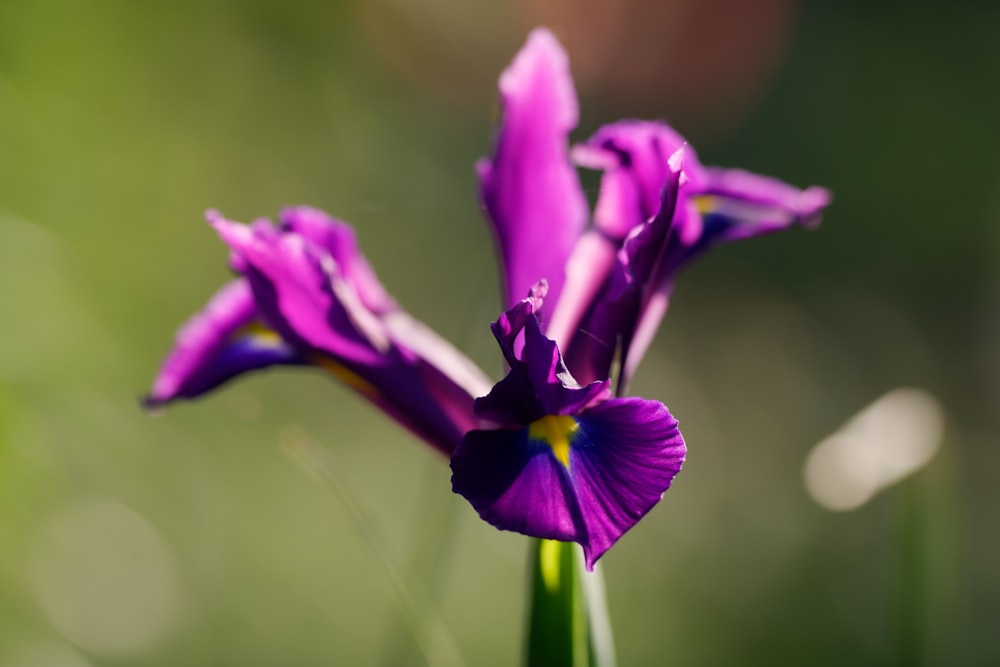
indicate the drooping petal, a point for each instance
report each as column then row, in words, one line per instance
column 735, row 204
column 626, row 456
column 308, row 296
column 338, row 239
column 222, row 341
column 299, row 290
column 311, row 297
column 587, row 478
column 529, row 189
column 515, row 483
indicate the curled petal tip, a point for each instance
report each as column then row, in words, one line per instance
column 537, row 293
column 676, row 160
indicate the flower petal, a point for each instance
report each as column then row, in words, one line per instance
column 539, row 382
column 628, row 453
column 736, row 204
column 511, row 322
column 515, row 483
column 224, row 340
column 529, row 189
column 301, row 293
column 607, row 330
column 304, row 286
column 338, row 239
column 308, row 296
column 634, row 156
column 623, row 455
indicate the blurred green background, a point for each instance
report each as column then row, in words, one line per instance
column 197, row 538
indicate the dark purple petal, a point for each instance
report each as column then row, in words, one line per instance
column 557, row 391
column 511, row 322
column 529, row 189
column 515, row 483
column 624, row 459
column 539, row 382
column 512, row 401
column 224, row 340
column 586, row 479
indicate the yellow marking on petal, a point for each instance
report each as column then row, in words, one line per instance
column 548, row 564
column 346, row 375
column 557, row 432
column 705, row 203
column 259, row 333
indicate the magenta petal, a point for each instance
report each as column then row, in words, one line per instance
column 310, row 297
column 338, row 239
column 608, row 328
column 634, row 156
column 529, row 189
column 736, row 204
column 216, row 345
column 300, row 294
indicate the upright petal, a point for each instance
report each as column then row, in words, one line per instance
column 224, row 340
column 529, row 189
column 607, row 330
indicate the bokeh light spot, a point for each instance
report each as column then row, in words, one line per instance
column 893, row 437
column 104, row 578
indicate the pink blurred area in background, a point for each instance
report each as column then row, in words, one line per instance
column 701, row 63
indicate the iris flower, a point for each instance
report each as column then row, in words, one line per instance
column 553, row 450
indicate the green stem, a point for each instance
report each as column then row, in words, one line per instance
column 909, row 603
column 567, row 619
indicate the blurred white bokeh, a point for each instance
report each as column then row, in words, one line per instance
column 891, row 438
column 104, row 578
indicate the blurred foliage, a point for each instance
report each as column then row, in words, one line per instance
column 195, row 539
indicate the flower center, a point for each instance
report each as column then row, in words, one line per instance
column 556, row 431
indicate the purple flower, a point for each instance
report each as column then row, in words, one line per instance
column 306, row 296
column 609, row 284
column 550, row 451
column 564, row 461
